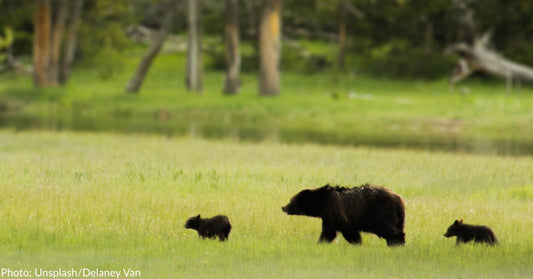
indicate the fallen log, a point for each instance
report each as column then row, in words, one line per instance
column 478, row 57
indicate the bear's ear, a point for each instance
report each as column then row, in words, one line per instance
column 456, row 222
column 461, row 221
column 198, row 217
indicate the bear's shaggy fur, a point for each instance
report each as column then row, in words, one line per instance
column 217, row 226
column 367, row 208
column 466, row 233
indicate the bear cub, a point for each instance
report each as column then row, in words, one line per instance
column 466, row 233
column 217, row 226
column 368, row 208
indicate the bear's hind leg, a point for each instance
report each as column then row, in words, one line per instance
column 396, row 240
column 393, row 236
column 224, row 235
column 353, row 237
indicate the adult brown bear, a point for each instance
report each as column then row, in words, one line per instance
column 367, row 208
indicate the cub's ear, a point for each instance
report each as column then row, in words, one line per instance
column 461, row 221
column 198, row 216
column 456, row 222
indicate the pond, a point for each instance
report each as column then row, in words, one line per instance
column 251, row 132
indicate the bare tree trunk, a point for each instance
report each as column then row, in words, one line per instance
column 476, row 56
column 233, row 57
column 429, row 36
column 137, row 79
column 270, row 48
column 194, row 60
column 57, row 35
column 342, row 35
column 70, row 44
column 41, row 42
column 345, row 8
column 479, row 58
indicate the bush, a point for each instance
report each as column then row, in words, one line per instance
column 400, row 60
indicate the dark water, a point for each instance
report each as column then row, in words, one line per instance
column 256, row 133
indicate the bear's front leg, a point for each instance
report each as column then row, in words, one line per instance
column 328, row 233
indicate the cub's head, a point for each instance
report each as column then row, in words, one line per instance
column 452, row 230
column 193, row 222
column 308, row 202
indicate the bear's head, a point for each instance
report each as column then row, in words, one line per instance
column 193, row 222
column 308, row 202
column 452, row 230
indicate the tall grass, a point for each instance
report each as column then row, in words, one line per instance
column 111, row 202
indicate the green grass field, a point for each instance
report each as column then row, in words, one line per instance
column 107, row 201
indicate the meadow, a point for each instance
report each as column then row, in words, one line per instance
column 330, row 107
column 93, row 178
column 111, row 201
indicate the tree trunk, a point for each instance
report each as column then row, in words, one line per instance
column 233, row 58
column 345, row 8
column 342, row 35
column 70, row 44
column 194, row 59
column 41, row 42
column 270, row 48
column 137, row 79
column 57, row 35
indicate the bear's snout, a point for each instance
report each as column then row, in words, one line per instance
column 284, row 209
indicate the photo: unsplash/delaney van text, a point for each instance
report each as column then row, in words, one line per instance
column 69, row 273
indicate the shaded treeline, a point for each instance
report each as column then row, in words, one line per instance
column 398, row 38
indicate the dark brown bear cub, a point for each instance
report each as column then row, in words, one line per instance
column 218, row 226
column 466, row 233
column 350, row 211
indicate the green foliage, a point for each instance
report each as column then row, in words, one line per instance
column 399, row 59
column 108, row 62
column 94, row 40
column 6, row 41
column 299, row 59
column 402, row 39
column 8, row 38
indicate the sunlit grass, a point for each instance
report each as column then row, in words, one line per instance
column 107, row 201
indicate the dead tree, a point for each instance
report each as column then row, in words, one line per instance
column 476, row 55
column 50, row 17
column 480, row 58
column 137, row 79
column 233, row 57
column 270, row 48
column 194, row 47
column 71, row 42
column 344, row 8
column 41, row 43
